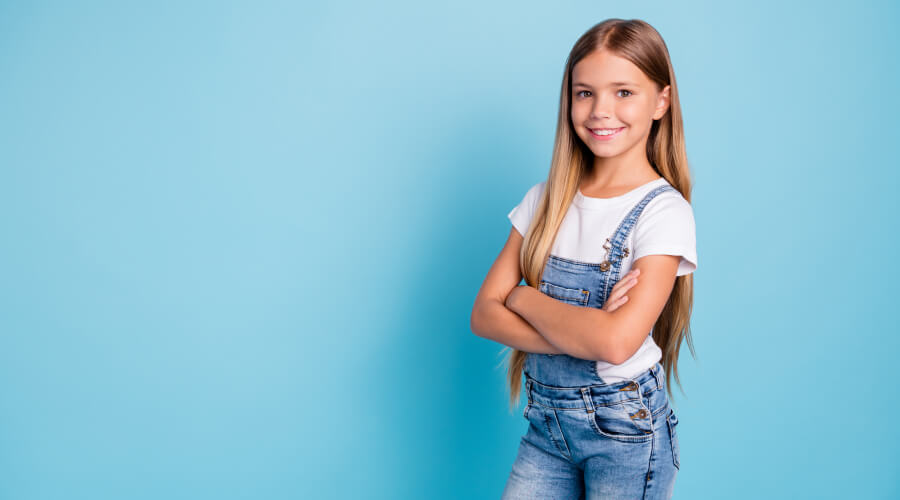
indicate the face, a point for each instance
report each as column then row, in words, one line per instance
column 611, row 94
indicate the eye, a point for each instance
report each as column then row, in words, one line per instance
column 578, row 94
column 623, row 90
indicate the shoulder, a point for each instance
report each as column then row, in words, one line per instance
column 521, row 214
column 532, row 196
column 534, row 192
column 668, row 215
column 667, row 227
column 670, row 205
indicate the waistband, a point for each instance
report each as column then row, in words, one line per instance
column 577, row 398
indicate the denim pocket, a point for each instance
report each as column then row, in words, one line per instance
column 546, row 422
column 629, row 423
column 673, row 436
column 575, row 296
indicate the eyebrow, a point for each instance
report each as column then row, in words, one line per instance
column 582, row 84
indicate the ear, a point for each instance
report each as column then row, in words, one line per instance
column 662, row 103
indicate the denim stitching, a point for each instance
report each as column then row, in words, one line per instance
column 578, row 388
column 585, row 294
column 550, row 434
column 672, row 439
column 650, row 461
column 604, row 405
column 622, row 233
column 628, row 438
column 580, row 263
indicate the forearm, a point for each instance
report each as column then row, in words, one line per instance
column 581, row 332
column 493, row 320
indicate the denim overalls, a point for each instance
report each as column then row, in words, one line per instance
column 586, row 438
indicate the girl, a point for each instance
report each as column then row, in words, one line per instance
column 606, row 245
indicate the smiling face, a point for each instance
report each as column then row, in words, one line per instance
column 614, row 104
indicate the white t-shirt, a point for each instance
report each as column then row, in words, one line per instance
column 666, row 226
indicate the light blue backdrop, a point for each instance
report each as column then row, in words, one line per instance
column 241, row 242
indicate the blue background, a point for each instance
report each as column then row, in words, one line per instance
column 241, row 243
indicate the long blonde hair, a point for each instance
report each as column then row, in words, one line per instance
column 640, row 43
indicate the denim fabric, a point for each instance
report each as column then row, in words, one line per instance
column 587, row 438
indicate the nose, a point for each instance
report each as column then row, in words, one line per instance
column 599, row 109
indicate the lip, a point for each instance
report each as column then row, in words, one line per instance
column 606, row 137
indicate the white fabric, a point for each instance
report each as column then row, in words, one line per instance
column 666, row 227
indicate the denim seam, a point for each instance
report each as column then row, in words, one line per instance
column 628, row 438
column 672, row 438
column 550, row 434
column 578, row 388
column 577, row 262
column 585, row 294
column 650, row 461
column 582, row 408
column 621, row 234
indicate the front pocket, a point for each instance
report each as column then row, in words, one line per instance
column 546, row 423
column 629, row 423
column 575, row 296
column 673, row 436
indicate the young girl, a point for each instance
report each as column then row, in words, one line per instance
column 606, row 245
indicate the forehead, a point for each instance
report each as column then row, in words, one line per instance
column 601, row 68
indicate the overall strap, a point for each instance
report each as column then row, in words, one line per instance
column 617, row 249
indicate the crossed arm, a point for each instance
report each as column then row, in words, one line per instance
column 524, row 318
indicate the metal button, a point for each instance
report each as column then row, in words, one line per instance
column 604, row 266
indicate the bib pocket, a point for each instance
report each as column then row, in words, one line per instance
column 574, row 296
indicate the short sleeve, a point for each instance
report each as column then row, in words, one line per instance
column 521, row 214
column 667, row 227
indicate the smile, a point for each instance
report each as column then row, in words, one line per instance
column 605, row 134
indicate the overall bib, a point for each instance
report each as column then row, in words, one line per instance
column 587, row 438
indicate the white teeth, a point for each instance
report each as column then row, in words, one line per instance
column 604, row 131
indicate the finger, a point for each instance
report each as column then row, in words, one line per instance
column 624, row 284
column 618, row 290
column 628, row 277
column 619, row 303
column 614, row 304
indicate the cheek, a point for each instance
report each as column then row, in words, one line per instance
column 635, row 114
column 578, row 114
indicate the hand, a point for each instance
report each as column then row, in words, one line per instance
column 510, row 297
column 617, row 296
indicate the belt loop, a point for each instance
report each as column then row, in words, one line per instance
column 588, row 402
column 528, row 390
column 657, row 375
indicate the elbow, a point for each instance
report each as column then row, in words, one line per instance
column 611, row 345
column 484, row 317
column 476, row 320
column 614, row 355
column 619, row 358
column 610, row 354
column 474, row 325
column 625, row 346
